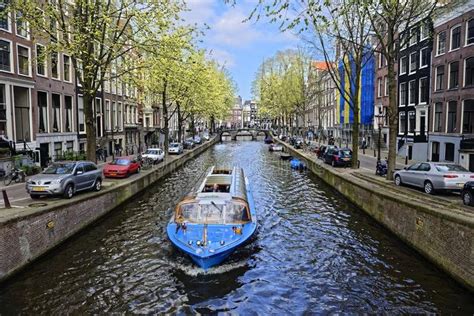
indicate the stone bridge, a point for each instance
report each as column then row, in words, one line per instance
column 242, row 132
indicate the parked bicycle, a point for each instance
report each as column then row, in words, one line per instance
column 146, row 163
column 16, row 175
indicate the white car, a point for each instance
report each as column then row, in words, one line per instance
column 175, row 148
column 155, row 154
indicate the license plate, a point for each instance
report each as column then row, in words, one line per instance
column 460, row 184
column 113, row 174
column 39, row 189
column 345, row 159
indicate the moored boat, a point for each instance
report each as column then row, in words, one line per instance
column 268, row 140
column 285, row 156
column 275, row 147
column 215, row 219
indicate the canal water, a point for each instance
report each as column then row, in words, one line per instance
column 314, row 252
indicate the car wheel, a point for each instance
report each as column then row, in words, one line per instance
column 34, row 196
column 69, row 191
column 467, row 198
column 429, row 187
column 398, row 180
column 98, row 185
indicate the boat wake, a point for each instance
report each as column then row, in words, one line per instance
column 195, row 271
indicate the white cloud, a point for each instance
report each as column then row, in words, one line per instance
column 200, row 11
column 223, row 57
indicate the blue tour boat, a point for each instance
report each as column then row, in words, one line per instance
column 215, row 219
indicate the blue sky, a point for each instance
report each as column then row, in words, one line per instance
column 240, row 46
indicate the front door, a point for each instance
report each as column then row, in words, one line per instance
column 44, row 155
column 471, row 162
column 410, row 152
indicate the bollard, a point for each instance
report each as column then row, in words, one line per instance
column 5, row 199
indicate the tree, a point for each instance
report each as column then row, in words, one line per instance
column 98, row 34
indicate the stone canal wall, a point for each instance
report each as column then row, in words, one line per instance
column 441, row 232
column 31, row 232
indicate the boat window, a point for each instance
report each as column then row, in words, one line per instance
column 229, row 213
column 222, row 171
column 222, row 188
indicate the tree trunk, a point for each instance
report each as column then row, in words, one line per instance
column 180, row 122
column 165, row 115
column 90, row 127
column 392, row 113
column 356, row 110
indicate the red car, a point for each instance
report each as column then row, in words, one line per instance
column 121, row 167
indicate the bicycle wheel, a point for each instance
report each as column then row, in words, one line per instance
column 7, row 179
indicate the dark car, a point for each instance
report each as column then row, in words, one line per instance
column 467, row 193
column 320, row 151
column 338, row 157
column 188, row 144
column 298, row 144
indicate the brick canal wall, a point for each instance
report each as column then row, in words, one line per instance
column 33, row 232
column 442, row 234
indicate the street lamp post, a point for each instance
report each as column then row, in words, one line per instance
column 380, row 118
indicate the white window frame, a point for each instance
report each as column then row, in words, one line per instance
column 437, row 43
column 12, row 64
column 73, row 122
column 48, row 129
column 27, row 29
column 411, row 71
column 400, row 122
column 59, row 67
column 466, row 33
column 18, row 61
column 45, row 61
column 411, row 37
column 448, row 83
column 424, row 26
column 79, row 96
column 409, row 99
column 385, row 86
column 379, row 87
column 120, row 116
column 401, row 65
column 420, row 66
column 436, row 77
column 70, row 68
column 400, row 89
column 408, row 122
column 419, row 90
column 9, row 24
column 107, row 105
column 451, row 38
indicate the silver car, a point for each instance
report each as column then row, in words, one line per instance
column 433, row 176
column 65, row 178
column 175, row 148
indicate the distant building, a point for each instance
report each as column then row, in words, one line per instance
column 235, row 119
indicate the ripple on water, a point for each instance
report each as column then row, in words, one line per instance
column 313, row 252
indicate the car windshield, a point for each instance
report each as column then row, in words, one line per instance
column 60, row 168
column 152, row 152
column 345, row 153
column 229, row 213
column 120, row 162
column 450, row 167
column 174, row 145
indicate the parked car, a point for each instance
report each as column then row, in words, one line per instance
column 175, row 148
column 320, row 151
column 206, row 136
column 65, row 178
column 467, row 193
column 338, row 157
column 188, row 144
column 298, row 143
column 121, row 167
column 155, row 154
column 196, row 139
column 434, row 176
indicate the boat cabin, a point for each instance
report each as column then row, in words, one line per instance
column 220, row 199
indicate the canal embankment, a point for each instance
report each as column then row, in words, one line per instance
column 28, row 232
column 440, row 230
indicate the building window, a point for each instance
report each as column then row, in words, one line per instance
column 441, row 43
column 23, row 60
column 43, row 111
column 21, row 26
column 470, row 32
column 3, row 111
column 114, row 116
column 55, row 65
column 423, row 126
column 58, row 150
column 423, row 86
column 56, row 103
column 98, row 115
column 424, row 31
column 80, row 113
column 386, row 85
column 68, row 107
column 70, row 146
column 403, row 122
column 119, row 116
column 4, row 16
column 411, row 121
column 107, row 115
column 5, row 56
column 379, row 87
column 21, row 100
column 437, row 117
column 67, row 68
column 413, row 35
column 403, row 93
column 452, row 109
column 456, row 37
column 40, row 60
column 468, row 117
column 469, row 71
column 411, row 92
column 413, row 62
column 453, row 75
column 403, row 65
column 424, row 57
column 439, row 78
column 449, row 153
column 79, row 73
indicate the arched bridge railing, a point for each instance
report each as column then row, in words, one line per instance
column 254, row 132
